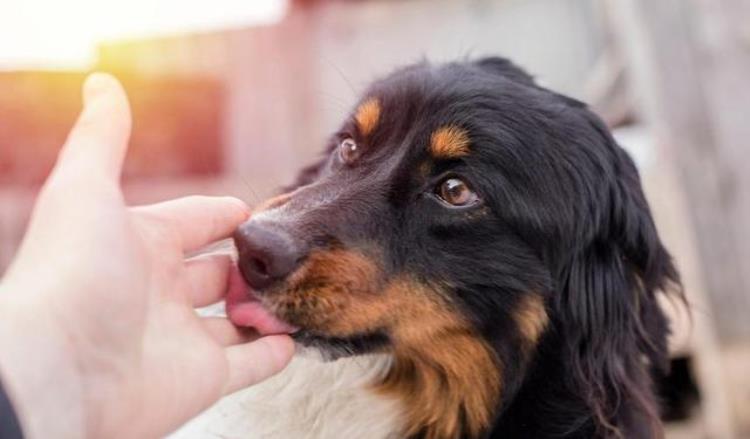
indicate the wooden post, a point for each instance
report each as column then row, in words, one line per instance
column 690, row 65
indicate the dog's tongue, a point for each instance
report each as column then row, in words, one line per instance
column 244, row 309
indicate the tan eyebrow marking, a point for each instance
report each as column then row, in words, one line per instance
column 367, row 116
column 449, row 142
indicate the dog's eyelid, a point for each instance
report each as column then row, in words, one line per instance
column 344, row 134
column 452, row 173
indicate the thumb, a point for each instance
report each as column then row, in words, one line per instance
column 98, row 141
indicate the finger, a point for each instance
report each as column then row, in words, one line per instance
column 254, row 362
column 198, row 220
column 207, row 277
column 225, row 333
column 98, row 141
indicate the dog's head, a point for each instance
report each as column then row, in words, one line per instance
column 460, row 215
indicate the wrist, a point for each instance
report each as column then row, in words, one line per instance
column 38, row 371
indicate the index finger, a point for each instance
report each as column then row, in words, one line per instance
column 198, row 220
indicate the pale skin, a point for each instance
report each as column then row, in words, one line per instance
column 98, row 333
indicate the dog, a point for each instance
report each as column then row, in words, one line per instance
column 472, row 257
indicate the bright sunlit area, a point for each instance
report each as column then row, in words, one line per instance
column 65, row 34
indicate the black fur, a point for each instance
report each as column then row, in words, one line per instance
column 562, row 215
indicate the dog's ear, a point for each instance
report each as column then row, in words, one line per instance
column 505, row 68
column 607, row 306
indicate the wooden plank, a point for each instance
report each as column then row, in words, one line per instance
column 686, row 78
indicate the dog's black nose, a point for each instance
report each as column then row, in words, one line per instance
column 266, row 254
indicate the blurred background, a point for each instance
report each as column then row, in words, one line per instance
column 232, row 97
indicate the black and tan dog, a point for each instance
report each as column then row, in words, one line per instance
column 489, row 242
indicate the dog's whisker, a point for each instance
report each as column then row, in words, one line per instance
column 341, row 75
column 256, row 199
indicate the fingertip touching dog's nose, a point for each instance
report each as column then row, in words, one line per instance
column 265, row 254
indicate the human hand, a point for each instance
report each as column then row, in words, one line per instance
column 98, row 335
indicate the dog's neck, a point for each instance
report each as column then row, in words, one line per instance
column 311, row 399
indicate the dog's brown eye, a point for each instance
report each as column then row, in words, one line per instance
column 349, row 150
column 456, row 192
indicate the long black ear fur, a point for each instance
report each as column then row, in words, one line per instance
column 607, row 307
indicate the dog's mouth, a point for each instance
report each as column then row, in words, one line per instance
column 245, row 309
column 333, row 348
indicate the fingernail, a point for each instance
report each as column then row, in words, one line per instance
column 241, row 204
column 96, row 84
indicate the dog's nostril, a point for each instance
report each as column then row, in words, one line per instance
column 259, row 266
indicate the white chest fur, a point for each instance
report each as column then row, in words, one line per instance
column 309, row 399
